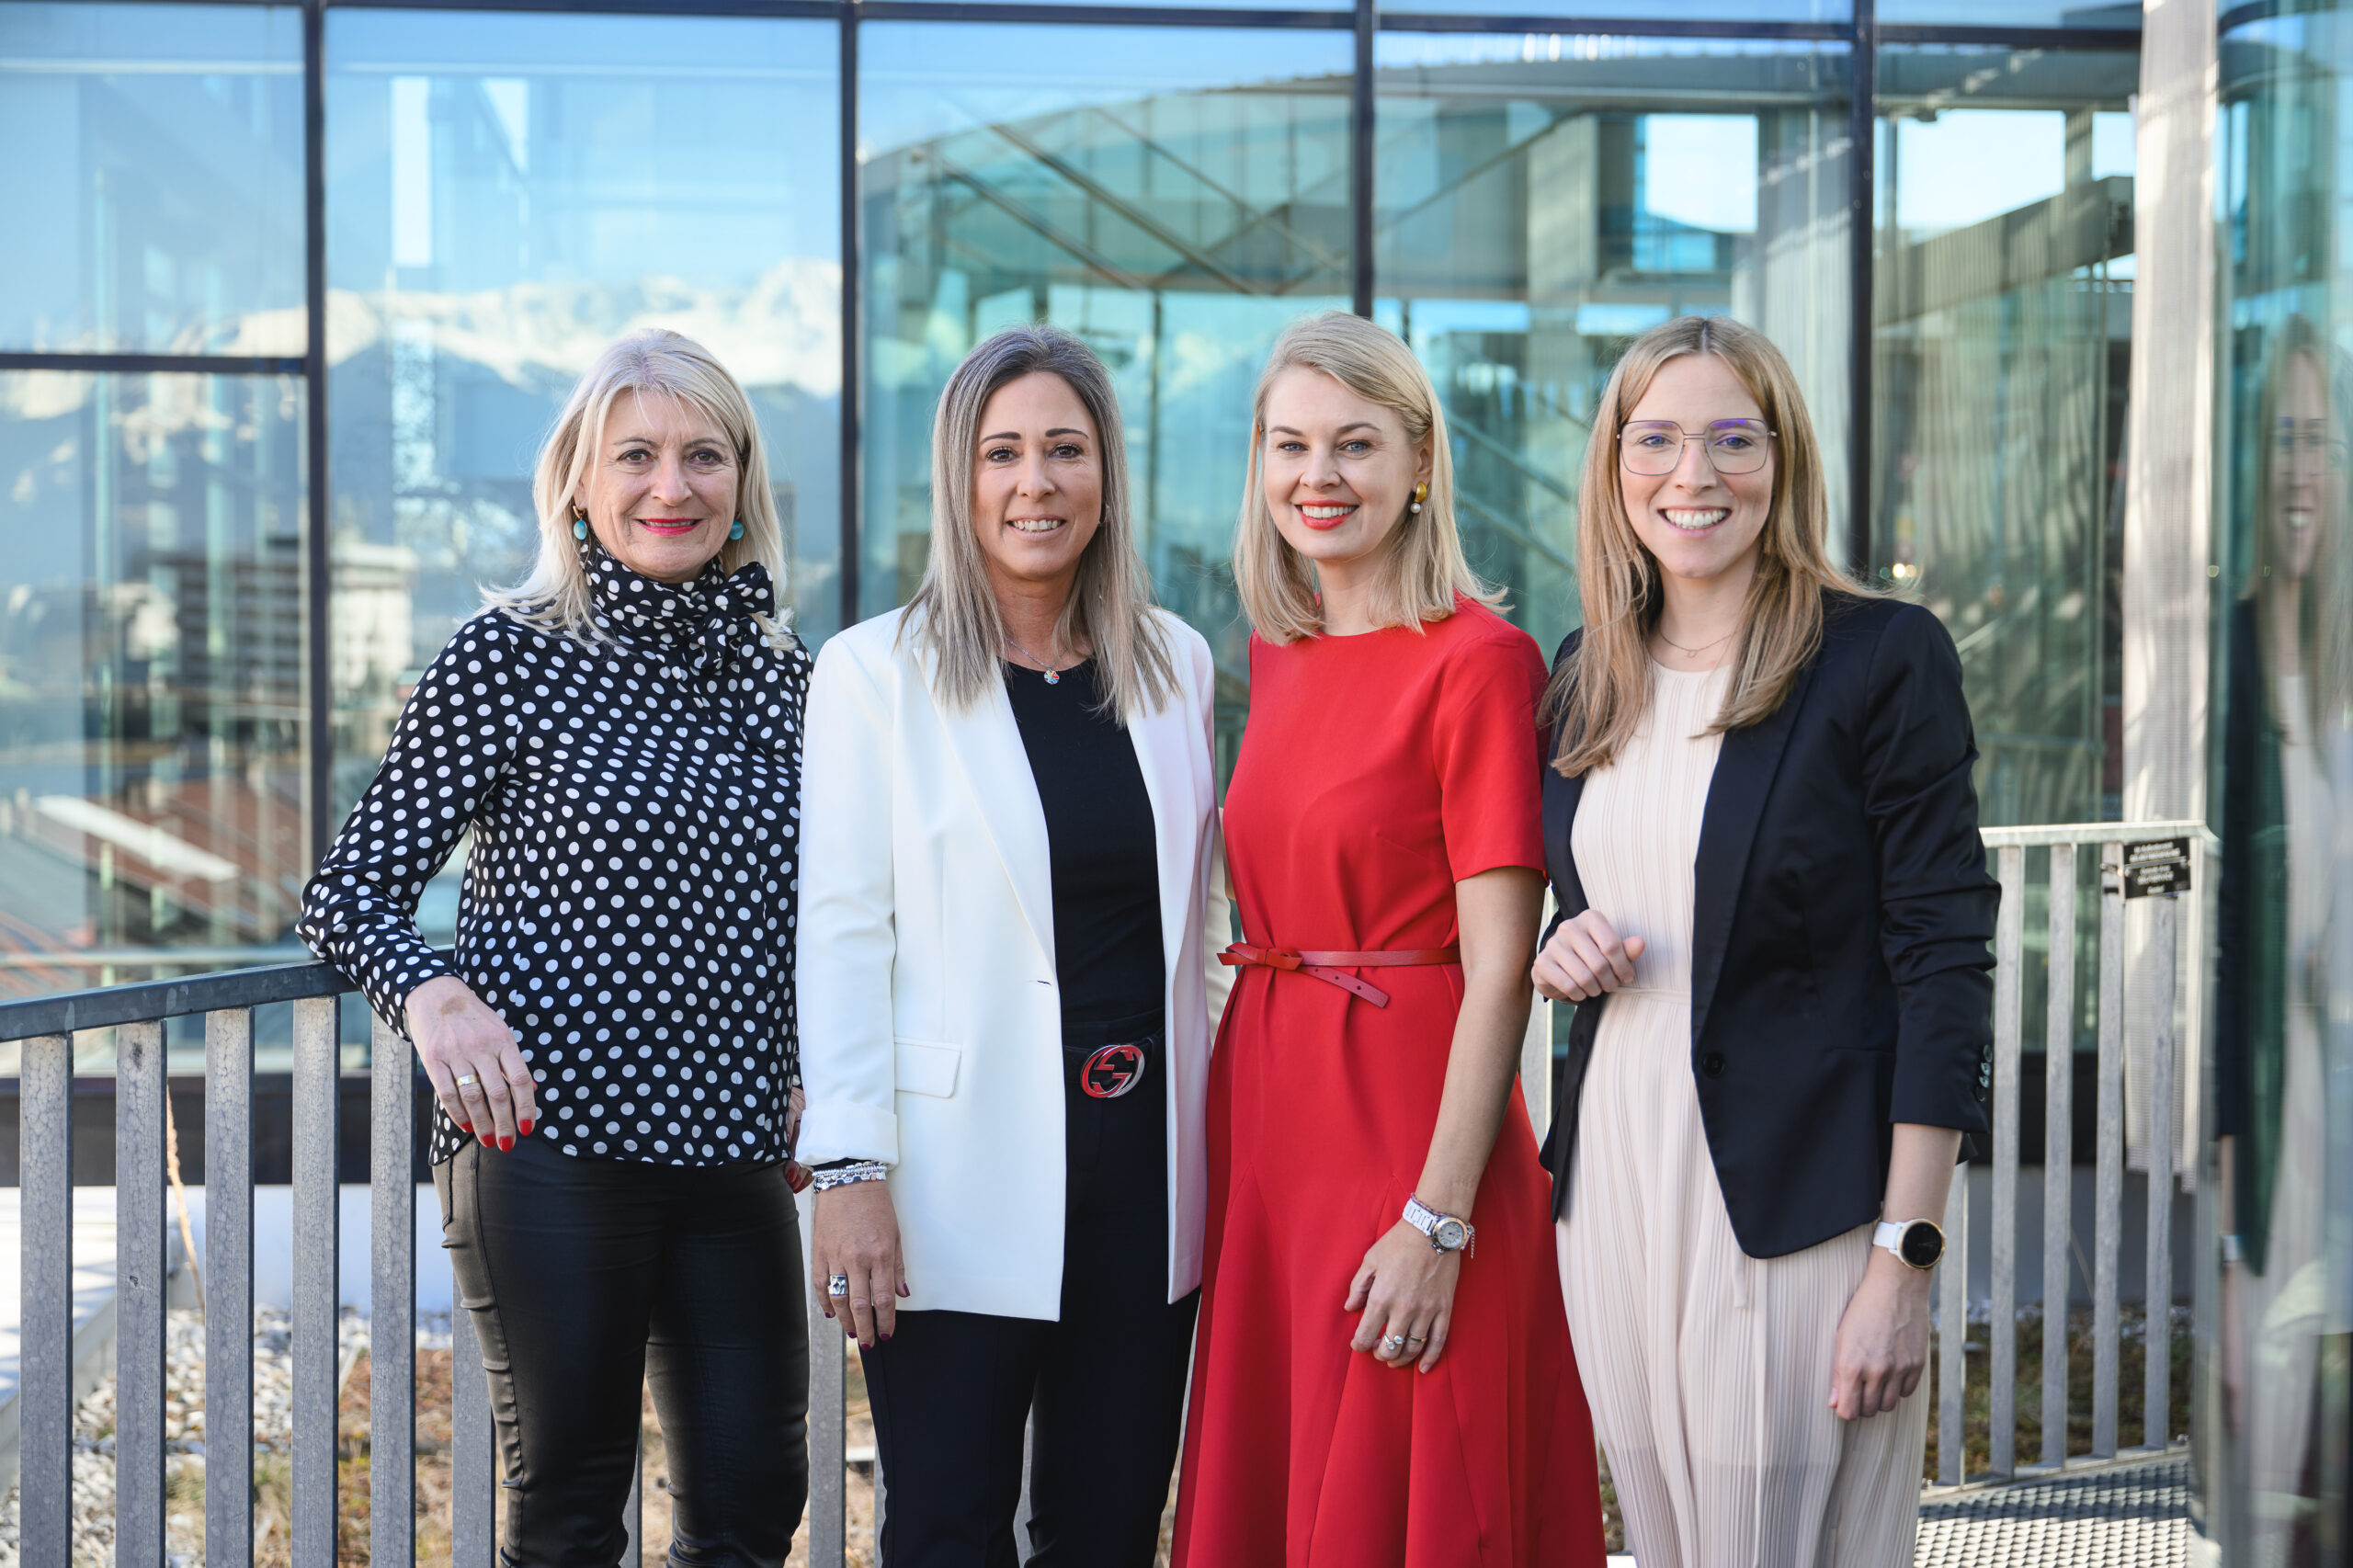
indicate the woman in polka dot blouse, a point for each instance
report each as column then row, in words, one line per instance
column 612, row 1040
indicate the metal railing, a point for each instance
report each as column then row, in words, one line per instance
column 2167, row 933
column 46, row 1027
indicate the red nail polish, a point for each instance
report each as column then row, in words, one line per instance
column 526, row 1127
column 466, row 1126
column 886, row 1339
column 505, row 1145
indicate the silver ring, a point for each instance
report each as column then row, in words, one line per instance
column 1394, row 1344
column 1417, row 1339
column 465, row 1080
column 838, row 1286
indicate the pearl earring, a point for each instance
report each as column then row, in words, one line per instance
column 1421, row 493
column 737, row 531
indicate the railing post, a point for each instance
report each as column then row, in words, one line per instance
column 828, row 1429
column 2108, row 1216
column 1952, row 1332
column 392, row 1299
column 229, row 1288
column 45, row 1170
column 2002, row 1326
column 139, row 1258
column 2158, row 1312
column 2058, row 1149
column 474, row 1447
column 317, row 1226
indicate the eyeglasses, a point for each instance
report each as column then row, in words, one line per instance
column 1656, row 446
column 2307, row 444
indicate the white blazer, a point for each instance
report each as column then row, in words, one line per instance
column 930, row 1014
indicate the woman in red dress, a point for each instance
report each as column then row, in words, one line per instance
column 1382, row 1373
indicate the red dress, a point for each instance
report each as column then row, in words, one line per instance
column 1377, row 772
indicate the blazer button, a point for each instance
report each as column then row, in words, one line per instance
column 1712, row 1065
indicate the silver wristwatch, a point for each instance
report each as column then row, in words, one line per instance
column 1447, row 1234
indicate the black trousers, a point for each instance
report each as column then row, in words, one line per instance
column 1103, row 1389
column 589, row 1279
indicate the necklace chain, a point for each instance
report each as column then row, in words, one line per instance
column 1695, row 652
column 1053, row 676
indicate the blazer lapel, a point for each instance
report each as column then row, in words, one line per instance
column 986, row 742
column 1165, row 762
column 1744, row 770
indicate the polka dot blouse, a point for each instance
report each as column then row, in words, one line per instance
column 629, row 897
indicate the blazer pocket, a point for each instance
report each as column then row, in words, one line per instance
column 925, row 1068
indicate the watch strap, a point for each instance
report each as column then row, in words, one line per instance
column 1889, row 1234
column 1426, row 1220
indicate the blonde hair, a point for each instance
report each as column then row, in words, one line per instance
column 1600, row 692
column 555, row 595
column 953, row 616
column 1423, row 568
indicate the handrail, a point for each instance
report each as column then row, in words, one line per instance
column 44, row 1025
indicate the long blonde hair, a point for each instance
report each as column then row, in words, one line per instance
column 1423, row 568
column 555, row 595
column 953, row 616
column 1599, row 695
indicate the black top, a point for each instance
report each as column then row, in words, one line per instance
column 1106, row 860
column 1841, row 980
column 628, row 902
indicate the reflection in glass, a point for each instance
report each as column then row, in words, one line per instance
column 1540, row 201
column 1826, row 11
column 1170, row 204
column 2274, row 1437
column 159, row 151
column 506, row 195
column 151, row 667
column 2002, row 321
column 2125, row 15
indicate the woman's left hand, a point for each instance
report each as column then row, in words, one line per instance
column 1405, row 1289
column 1882, row 1346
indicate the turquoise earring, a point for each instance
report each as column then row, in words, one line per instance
column 737, row 531
column 580, row 528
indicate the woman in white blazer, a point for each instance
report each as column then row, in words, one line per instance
column 1010, row 901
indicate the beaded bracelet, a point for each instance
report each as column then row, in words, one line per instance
column 851, row 1175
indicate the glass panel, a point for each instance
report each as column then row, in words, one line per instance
column 2011, row 14
column 151, row 672
column 2272, row 1445
column 1172, row 205
column 506, row 195
column 1537, row 206
column 161, row 149
column 1691, row 11
column 2002, row 310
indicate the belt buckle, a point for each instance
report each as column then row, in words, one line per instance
column 1112, row 1071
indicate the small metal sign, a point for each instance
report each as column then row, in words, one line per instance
column 2159, row 867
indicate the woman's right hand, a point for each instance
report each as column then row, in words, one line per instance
column 458, row 1035
column 857, row 1233
column 1584, row 958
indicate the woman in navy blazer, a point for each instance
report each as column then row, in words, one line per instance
column 1774, row 916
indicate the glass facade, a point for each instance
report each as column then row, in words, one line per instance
column 160, row 149
column 2001, row 338
column 2278, row 1381
column 1540, row 199
column 151, row 668
column 505, row 192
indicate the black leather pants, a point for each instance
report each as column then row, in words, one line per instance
column 588, row 1278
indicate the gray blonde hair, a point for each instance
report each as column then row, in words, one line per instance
column 1423, row 567
column 953, row 616
column 555, row 596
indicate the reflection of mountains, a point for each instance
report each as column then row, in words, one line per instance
column 784, row 328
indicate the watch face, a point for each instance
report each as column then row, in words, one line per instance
column 1923, row 1244
column 1448, row 1235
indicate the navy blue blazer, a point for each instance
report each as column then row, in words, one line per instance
column 1841, row 971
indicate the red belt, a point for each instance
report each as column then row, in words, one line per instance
column 1330, row 968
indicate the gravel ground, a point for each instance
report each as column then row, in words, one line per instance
column 183, row 1440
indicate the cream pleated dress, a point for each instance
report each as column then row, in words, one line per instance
column 1708, row 1370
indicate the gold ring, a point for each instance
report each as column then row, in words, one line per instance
column 465, row 1080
